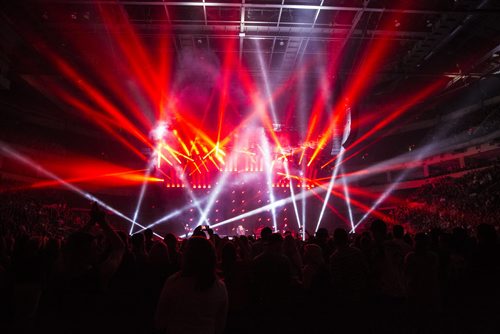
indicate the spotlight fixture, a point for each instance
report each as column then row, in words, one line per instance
column 397, row 23
column 242, row 34
column 159, row 131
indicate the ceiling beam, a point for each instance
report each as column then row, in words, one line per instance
column 251, row 31
column 242, row 28
column 282, row 6
column 205, row 13
column 281, row 12
column 304, row 47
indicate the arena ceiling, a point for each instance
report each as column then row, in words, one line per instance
column 458, row 39
column 293, row 30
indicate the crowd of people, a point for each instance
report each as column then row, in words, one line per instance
column 447, row 203
column 384, row 280
column 42, row 213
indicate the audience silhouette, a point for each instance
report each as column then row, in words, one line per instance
column 97, row 280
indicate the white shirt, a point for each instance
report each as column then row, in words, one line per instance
column 184, row 309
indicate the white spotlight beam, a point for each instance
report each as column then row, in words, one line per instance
column 413, row 159
column 304, row 119
column 141, row 195
column 382, row 197
column 263, row 71
column 267, row 154
column 172, row 214
column 269, row 176
column 190, row 192
column 330, row 187
column 379, row 200
column 276, row 204
column 292, row 193
column 163, row 219
column 304, row 204
column 303, row 215
column 348, row 203
column 272, row 199
column 424, row 152
column 211, row 200
column 446, row 145
column 32, row 164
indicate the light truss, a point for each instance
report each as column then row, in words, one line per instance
column 282, row 6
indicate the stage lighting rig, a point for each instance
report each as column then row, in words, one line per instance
column 160, row 130
column 159, row 135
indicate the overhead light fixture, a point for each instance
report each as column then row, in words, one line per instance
column 242, row 34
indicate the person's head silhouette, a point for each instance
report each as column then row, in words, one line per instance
column 199, row 261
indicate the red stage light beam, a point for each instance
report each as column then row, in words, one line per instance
column 134, row 52
column 422, row 95
column 371, row 60
column 101, row 120
column 414, row 100
column 131, row 175
column 95, row 95
column 329, row 206
column 8, row 151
